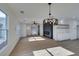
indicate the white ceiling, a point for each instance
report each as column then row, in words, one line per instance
column 30, row 9
column 33, row 10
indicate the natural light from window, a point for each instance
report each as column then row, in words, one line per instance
column 2, row 14
column 35, row 39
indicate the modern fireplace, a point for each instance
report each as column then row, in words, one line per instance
column 48, row 30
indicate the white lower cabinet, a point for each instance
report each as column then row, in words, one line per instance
column 61, row 32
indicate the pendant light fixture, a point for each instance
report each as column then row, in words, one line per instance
column 34, row 22
column 51, row 19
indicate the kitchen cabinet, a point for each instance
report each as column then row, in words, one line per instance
column 61, row 32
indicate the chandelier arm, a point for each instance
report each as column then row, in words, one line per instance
column 49, row 10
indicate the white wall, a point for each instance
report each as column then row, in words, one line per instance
column 23, row 30
column 25, row 23
column 12, row 37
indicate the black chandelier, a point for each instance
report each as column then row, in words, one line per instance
column 51, row 19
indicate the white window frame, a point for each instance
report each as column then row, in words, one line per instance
column 3, row 42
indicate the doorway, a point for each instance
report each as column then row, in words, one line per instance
column 35, row 29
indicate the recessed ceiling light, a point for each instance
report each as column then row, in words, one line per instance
column 22, row 12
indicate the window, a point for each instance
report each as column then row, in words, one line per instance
column 3, row 29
